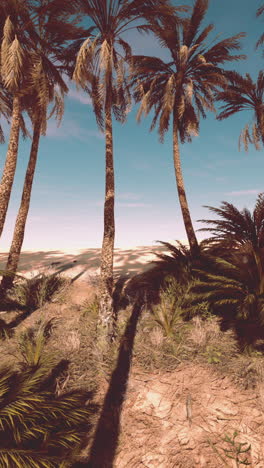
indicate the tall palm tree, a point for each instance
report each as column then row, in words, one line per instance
column 101, row 69
column 14, row 65
column 47, row 86
column 242, row 93
column 184, row 87
column 38, row 116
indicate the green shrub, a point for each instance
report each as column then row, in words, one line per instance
column 35, row 292
column 32, row 342
column 176, row 305
column 231, row 286
column 39, row 429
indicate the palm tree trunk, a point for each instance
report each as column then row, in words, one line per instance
column 194, row 247
column 19, row 231
column 105, row 319
column 10, row 163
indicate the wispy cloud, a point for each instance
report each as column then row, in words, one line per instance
column 239, row 193
column 80, row 96
column 70, row 129
column 128, row 196
column 134, row 205
column 126, row 205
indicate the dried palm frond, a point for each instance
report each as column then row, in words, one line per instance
column 242, row 93
column 260, row 12
column 184, row 87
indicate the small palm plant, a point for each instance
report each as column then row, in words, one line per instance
column 179, row 261
column 176, row 305
column 34, row 292
column 232, row 286
column 39, row 429
column 238, row 233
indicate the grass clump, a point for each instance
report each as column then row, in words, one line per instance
column 33, row 293
column 232, row 449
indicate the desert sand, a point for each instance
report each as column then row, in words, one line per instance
column 81, row 264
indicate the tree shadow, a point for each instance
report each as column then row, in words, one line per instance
column 120, row 300
column 103, row 449
column 10, row 305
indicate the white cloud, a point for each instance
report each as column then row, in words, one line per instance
column 80, row 96
column 70, row 129
column 134, row 205
column 128, row 196
column 239, row 193
column 126, row 205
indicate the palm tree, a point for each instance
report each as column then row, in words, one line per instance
column 184, row 87
column 238, row 234
column 38, row 115
column 101, row 69
column 260, row 12
column 15, row 64
column 242, row 93
column 48, row 85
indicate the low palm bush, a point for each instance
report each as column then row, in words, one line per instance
column 177, row 263
column 236, row 231
column 38, row 428
column 176, row 305
column 35, row 292
column 233, row 286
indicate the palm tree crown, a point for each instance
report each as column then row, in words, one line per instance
column 241, row 94
column 184, row 87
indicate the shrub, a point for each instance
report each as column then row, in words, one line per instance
column 38, row 428
column 34, row 292
column 176, row 305
column 227, row 285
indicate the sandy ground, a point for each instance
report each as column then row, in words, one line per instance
column 82, row 264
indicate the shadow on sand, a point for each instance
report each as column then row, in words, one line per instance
column 82, row 262
column 103, row 449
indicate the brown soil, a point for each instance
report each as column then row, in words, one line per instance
column 168, row 419
column 179, row 419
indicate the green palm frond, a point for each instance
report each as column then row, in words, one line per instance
column 38, row 428
column 237, row 228
column 225, row 284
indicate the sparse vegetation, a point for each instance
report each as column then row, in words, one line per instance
column 37, row 427
column 35, row 292
column 198, row 308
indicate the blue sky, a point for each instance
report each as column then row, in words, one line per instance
column 67, row 200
